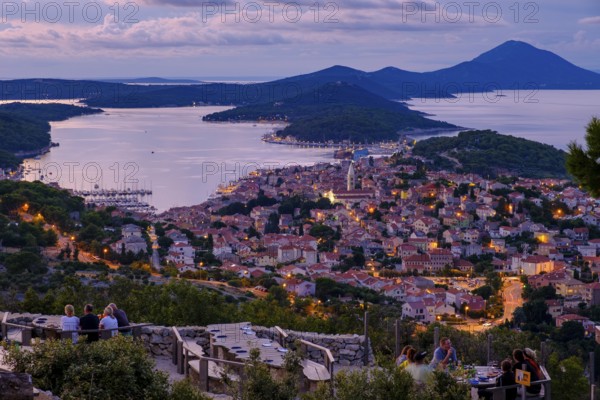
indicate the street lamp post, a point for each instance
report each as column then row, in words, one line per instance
column 466, row 311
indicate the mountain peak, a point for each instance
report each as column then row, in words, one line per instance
column 339, row 70
column 516, row 51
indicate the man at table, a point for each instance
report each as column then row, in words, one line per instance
column 443, row 355
column 89, row 321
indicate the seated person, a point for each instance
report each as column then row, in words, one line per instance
column 89, row 321
column 109, row 322
column 506, row 379
column 402, row 360
column 417, row 368
column 521, row 362
column 530, row 356
column 122, row 319
column 444, row 355
column 70, row 322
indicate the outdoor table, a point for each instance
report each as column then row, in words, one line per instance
column 47, row 326
column 484, row 377
column 234, row 341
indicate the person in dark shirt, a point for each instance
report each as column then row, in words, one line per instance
column 121, row 319
column 89, row 321
column 507, row 379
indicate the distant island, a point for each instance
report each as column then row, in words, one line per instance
column 337, row 103
column 336, row 112
column 490, row 153
column 153, row 81
column 25, row 128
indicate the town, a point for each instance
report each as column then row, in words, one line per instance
column 428, row 239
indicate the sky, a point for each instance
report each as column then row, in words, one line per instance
column 267, row 38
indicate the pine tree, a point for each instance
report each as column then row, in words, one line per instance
column 584, row 165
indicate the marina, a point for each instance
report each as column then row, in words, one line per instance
column 341, row 148
column 132, row 200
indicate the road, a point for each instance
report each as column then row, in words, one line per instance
column 512, row 298
column 225, row 289
column 83, row 256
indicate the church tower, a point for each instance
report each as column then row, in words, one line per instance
column 351, row 179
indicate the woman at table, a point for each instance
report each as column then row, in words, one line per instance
column 419, row 371
column 70, row 322
column 402, row 360
column 109, row 322
column 531, row 358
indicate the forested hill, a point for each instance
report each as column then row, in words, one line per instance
column 336, row 111
column 490, row 153
column 24, row 127
column 46, row 111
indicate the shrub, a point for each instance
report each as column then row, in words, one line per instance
column 185, row 390
column 260, row 384
column 118, row 368
column 389, row 384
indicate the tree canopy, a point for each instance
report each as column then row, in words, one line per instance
column 584, row 164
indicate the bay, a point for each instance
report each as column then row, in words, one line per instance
column 183, row 159
column 171, row 151
column 554, row 117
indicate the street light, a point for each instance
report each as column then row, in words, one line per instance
column 466, row 311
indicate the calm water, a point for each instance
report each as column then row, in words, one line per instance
column 554, row 117
column 183, row 159
column 171, row 150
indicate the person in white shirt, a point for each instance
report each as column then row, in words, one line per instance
column 419, row 371
column 70, row 322
column 109, row 322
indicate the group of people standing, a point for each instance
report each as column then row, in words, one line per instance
column 444, row 357
column 112, row 319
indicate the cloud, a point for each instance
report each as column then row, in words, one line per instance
column 226, row 31
column 589, row 20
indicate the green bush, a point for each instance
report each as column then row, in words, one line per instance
column 389, row 384
column 119, row 368
column 260, row 384
column 185, row 390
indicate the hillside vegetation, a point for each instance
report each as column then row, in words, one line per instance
column 335, row 111
column 24, row 127
column 22, row 134
column 489, row 153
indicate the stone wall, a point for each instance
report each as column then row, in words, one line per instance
column 159, row 339
column 346, row 349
